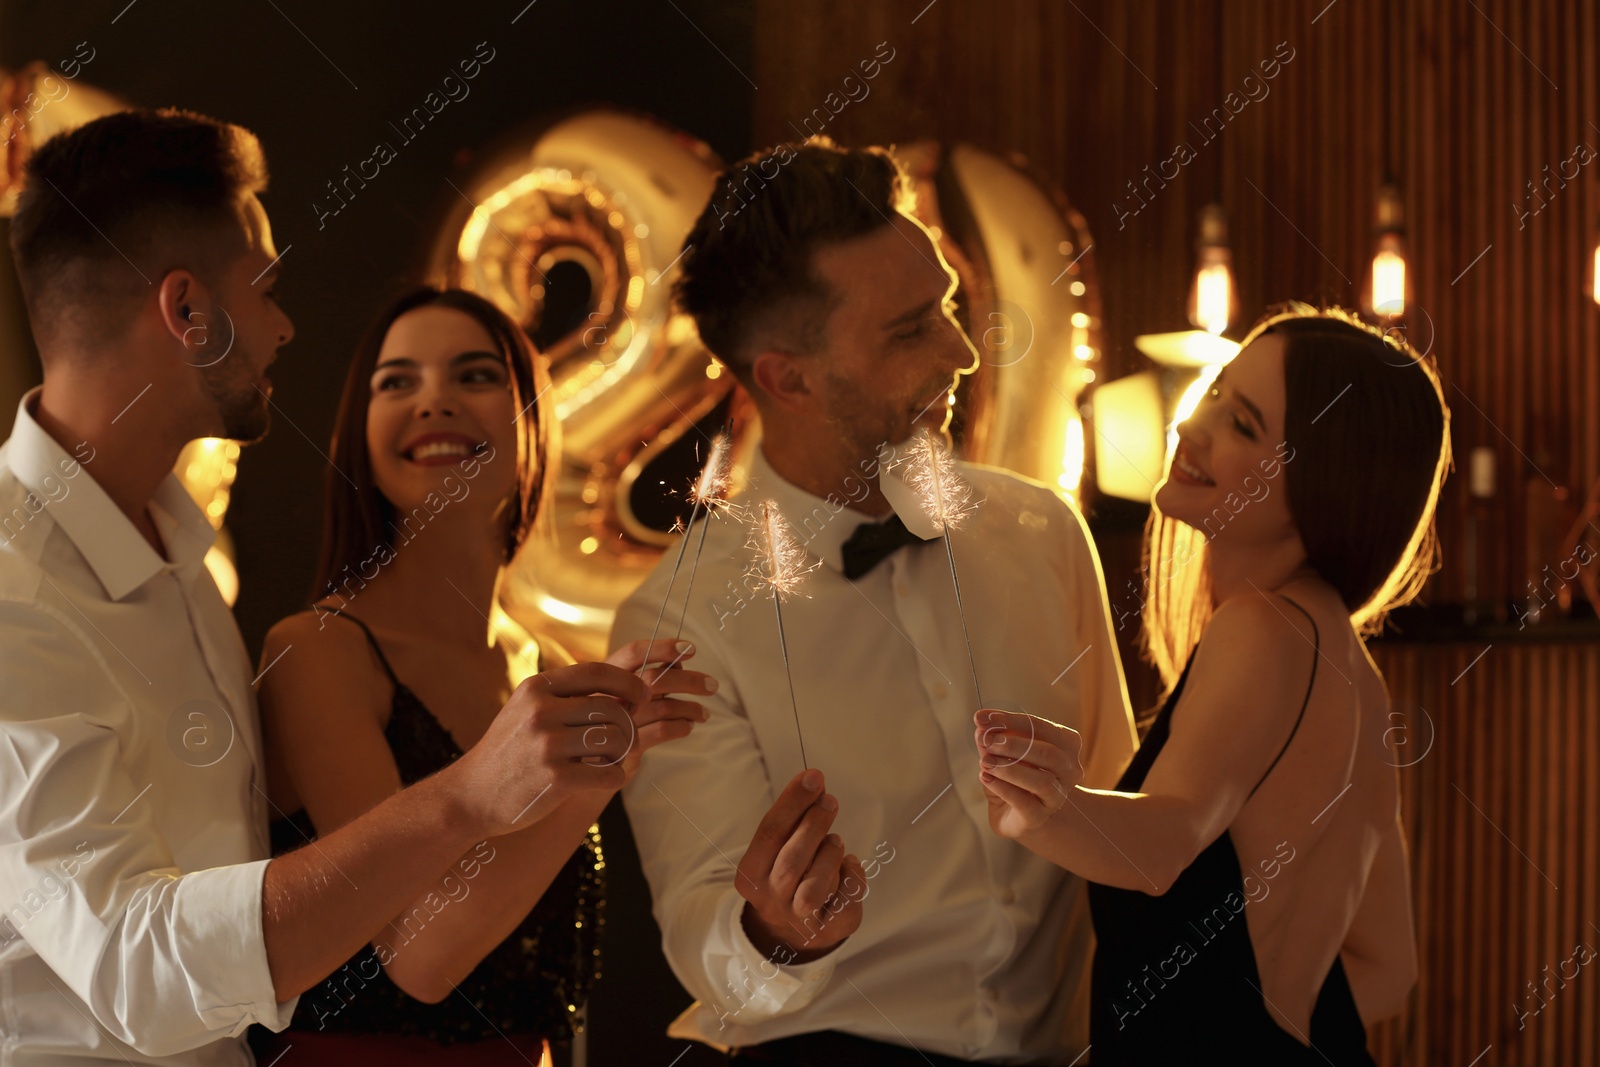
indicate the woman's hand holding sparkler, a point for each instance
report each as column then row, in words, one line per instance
column 663, row 717
column 1028, row 767
column 550, row 741
column 803, row 893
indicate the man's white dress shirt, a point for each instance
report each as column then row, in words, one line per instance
column 970, row 945
column 132, row 822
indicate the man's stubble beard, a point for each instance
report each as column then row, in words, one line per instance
column 241, row 406
column 863, row 426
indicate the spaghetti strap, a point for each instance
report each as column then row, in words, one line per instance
column 376, row 648
column 1317, row 652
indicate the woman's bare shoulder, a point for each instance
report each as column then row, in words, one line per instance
column 317, row 657
column 312, row 623
column 1259, row 639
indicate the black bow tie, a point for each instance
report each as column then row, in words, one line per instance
column 873, row 541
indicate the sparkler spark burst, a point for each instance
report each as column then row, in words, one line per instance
column 930, row 472
column 711, row 489
column 706, row 495
column 780, row 561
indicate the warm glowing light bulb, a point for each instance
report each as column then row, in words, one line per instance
column 1213, row 298
column 1386, row 292
column 1214, row 289
column 1389, row 281
column 1595, row 290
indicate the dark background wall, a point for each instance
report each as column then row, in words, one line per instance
column 319, row 83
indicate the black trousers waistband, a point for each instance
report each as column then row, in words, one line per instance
column 830, row 1048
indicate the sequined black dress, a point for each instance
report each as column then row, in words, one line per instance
column 535, row 982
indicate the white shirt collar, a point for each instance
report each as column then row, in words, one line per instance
column 797, row 505
column 114, row 549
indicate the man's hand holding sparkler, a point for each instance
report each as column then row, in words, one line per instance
column 663, row 717
column 803, row 893
column 1028, row 767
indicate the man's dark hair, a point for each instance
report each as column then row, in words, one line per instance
column 109, row 208
column 746, row 272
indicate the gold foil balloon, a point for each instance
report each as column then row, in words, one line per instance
column 576, row 237
column 206, row 468
column 599, row 204
column 39, row 102
column 36, row 103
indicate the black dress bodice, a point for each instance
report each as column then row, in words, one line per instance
column 1175, row 976
column 535, row 982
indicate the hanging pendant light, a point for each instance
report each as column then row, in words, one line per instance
column 1594, row 264
column 1213, row 297
column 1388, row 286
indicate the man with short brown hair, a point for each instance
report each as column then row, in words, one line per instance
column 861, row 911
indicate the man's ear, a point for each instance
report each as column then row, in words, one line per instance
column 783, row 378
column 180, row 298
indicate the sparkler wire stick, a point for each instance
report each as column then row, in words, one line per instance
column 693, row 567
column 962, row 612
column 794, row 704
column 705, row 493
column 682, row 546
column 785, row 567
column 947, row 499
column 711, row 493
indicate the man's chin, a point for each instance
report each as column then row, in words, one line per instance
column 247, row 427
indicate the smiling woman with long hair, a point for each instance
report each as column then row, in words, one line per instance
column 439, row 468
column 1248, row 876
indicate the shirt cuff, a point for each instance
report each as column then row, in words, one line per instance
column 224, row 951
column 755, row 988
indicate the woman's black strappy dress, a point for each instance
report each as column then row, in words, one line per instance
column 1175, row 975
column 534, row 983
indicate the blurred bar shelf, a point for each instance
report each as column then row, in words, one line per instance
column 1448, row 624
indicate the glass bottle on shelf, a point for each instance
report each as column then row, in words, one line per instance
column 1480, row 493
column 1547, row 514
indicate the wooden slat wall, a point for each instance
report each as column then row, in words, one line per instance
column 1093, row 91
column 1484, row 94
column 1503, row 814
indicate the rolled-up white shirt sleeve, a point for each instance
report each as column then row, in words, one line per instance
column 694, row 806
column 164, row 960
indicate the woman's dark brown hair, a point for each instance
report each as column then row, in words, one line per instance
column 1366, row 418
column 358, row 521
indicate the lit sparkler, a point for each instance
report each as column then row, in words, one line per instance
column 708, row 492
column 782, row 565
column 946, row 498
